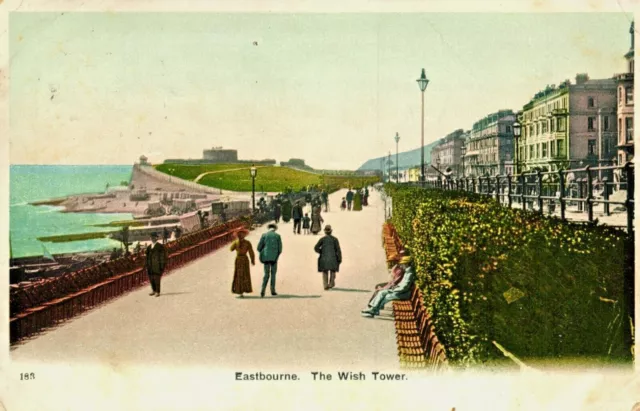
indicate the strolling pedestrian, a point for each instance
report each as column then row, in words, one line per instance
column 270, row 248
column 329, row 259
column 349, row 199
column 325, row 200
column 316, row 220
column 155, row 263
column 306, row 223
column 357, row 201
column 242, row 272
column 277, row 211
column 343, row 204
column 297, row 215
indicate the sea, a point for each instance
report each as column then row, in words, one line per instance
column 29, row 183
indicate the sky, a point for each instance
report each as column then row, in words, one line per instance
column 333, row 89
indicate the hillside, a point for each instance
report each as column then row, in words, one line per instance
column 406, row 159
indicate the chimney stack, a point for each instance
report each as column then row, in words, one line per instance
column 581, row 78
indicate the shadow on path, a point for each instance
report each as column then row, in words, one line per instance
column 268, row 297
column 176, row 293
column 351, row 290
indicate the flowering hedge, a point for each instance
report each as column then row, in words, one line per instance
column 540, row 287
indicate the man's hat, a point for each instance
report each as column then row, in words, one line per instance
column 328, row 229
column 406, row 260
column 272, row 225
column 154, row 235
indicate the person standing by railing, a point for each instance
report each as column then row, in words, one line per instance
column 155, row 264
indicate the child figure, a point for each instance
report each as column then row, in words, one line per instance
column 306, row 223
column 343, row 204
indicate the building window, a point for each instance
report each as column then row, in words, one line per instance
column 553, row 125
column 620, row 95
column 562, row 125
column 606, row 123
column 508, row 129
column 552, row 146
column 544, row 127
column 560, row 144
column 628, row 91
column 591, row 123
column 592, row 147
column 591, row 102
column 544, row 150
column 538, row 150
column 619, row 131
column 628, row 129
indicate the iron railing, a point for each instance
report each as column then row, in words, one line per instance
column 589, row 190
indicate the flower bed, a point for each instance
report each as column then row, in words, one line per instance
column 540, row 287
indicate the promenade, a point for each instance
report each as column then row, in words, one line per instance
column 197, row 321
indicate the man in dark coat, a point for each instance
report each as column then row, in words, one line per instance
column 297, row 215
column 277, row 211
column 155, row 264
column 325, row 201
column 270, row 248
column 330, row 258
column 349, row 199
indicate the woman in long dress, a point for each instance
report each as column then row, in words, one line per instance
column 316, row 220
column 357, row 201
column 242, row 273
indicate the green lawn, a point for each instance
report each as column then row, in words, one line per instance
column 268, row 179
column 190, row 172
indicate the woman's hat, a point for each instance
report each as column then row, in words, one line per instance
column 406, row 260
column 243, row 231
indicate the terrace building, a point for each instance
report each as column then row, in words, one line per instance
column 489, row 149
column 569, row 125
column 625, row 107
column 446, row 155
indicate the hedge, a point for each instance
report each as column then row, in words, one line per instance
column 540, row 287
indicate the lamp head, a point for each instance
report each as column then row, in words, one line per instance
column 517, row 129
column 254, row 171
column 423, row 81
column 397, row 137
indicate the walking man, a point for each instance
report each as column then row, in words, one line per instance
column 330, row 258
column 270, row 248
column 349, row 199
column 297, row 215
column 325, row 201
column 155, row 264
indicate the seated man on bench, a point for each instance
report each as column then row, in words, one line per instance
column 397, row 272
column 402, row 291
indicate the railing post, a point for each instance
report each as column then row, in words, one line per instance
column 523, row 188
column 561, row 192
column 473, row 184
column 580, row 194
column 589, row 193
column 605, row 195
column 498, row 188
column 628, row 171
column 509, row 190
column 539, row 177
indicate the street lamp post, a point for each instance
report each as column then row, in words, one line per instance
column 422, row 83
column 463, row 151
column 438, row 167
column 254, row 172
column 517, row 130
column 397, row 138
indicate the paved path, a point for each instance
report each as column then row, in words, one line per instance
column 222, row 171
column 197, row 321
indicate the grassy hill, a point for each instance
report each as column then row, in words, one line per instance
column 269, row 178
